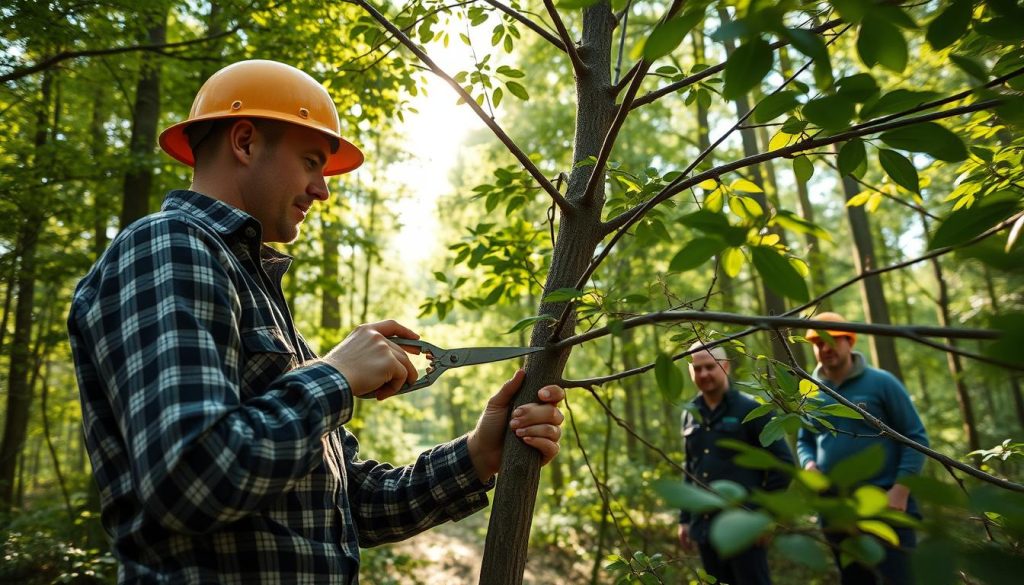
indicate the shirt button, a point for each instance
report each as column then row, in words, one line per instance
column 706, row 428
column 705, row 474
column 707, row 450
column 250, row 232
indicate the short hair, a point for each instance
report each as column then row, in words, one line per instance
column 718, row 352
column 201, row 135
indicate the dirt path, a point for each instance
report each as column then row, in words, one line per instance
column 451, row 554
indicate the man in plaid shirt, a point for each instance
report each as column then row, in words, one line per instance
column 215, row 433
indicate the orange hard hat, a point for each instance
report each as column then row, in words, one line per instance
column 267, row 90
column 812, row 335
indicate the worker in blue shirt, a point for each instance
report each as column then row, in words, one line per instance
column 880, row 393
column 721, row 412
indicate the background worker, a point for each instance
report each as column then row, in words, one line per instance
column 215, row 433
column 880, row 393
column 721, row 412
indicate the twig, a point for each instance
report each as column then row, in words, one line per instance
column 890, row 432
column 520, row 156
column 554, row 40
column 570, row 47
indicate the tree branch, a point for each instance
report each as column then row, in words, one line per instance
column 887, row 430
column 520, row 156
column 627, row 218
column 774, row 322
column 584, row 383
column 65, row 55
column 554, row 40
column 704, row 74
column 570, row 47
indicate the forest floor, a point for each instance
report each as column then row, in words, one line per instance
column 451, row 554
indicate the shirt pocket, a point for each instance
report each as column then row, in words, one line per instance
column 268, row 356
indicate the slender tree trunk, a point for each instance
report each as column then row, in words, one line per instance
column 97, row 146
column 19, row 393
column 578, row 236
column 138, row 180
column 330, row 305
column 876, row 309
column 774, row 304
column 956, row 370
column 1013, row 378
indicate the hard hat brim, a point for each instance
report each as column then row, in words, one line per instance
column 345, row 159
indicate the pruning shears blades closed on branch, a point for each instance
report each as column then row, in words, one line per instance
column 441, row 360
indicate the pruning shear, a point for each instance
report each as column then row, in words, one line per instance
column 442, row 360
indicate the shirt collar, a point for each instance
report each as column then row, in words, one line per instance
column 225, row 219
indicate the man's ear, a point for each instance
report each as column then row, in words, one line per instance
column 241, row 137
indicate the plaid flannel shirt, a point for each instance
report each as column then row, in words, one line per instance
column 215, row 435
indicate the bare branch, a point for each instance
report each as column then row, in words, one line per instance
column 520, row 156
column 774, row 322
column 65, row 55
column 890, row 432
column 570, row 47
column 554, row 40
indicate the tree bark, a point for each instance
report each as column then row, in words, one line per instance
column 578, row 236
column 19, row 392
column 138, row 179
column 876, row 308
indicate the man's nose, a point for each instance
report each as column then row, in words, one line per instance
column 318, row 189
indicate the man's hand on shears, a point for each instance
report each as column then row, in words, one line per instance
column 538, row 424
column 373, row 364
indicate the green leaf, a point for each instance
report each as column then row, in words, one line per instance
column 862, row 548
column 803, row 168
column 685, row 496
column 851, row 10
column 733, row 492
column 775, row 105
column 851, row 156
column 666, row 36
column 859, row 467
column 870, row 500
column 967, row 222
column 733, row 531
column 517, row 90
column 778, row 274
column 773, row 431
column 1000, row 28
column 969, row 66
column 933, row 491
column 670, row 379
column 749, row 456
column 804, row 550
column 840, row 410
column 758, row 412
column 696, row 253
column 524, row 323
column 880, row 529
column 881, row 43
column 929, row 138
column 949, row 26
column 1007, row 347
column 746, row 67
column 900, row 169
column 706, row 221
column 859, row 87
column 573, row 4
column 831, row 112
column 562, row 294
column 897, row 100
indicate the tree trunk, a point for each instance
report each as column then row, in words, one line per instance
column 578, row 236
column 876, row 309
column 330, row 305
column 19, row 392
column 1014, row 377
column 138, row 179
column 773, row 303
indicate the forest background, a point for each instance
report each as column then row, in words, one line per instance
column 909, row 224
